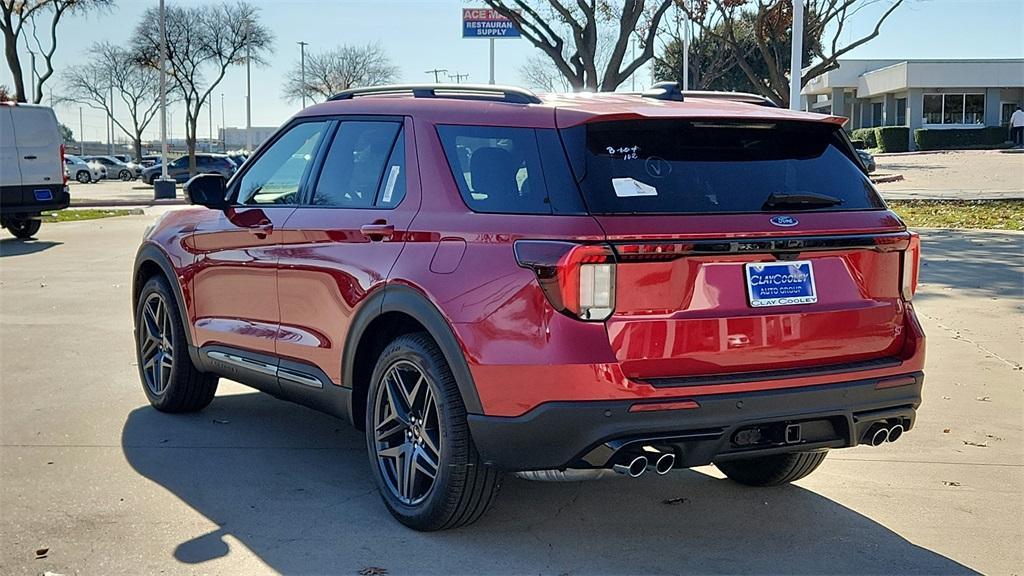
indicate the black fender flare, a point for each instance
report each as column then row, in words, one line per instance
column 409, row 301
column 149, row 252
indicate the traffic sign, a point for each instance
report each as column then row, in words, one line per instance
column 487, row 23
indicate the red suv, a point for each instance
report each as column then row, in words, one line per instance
column 485, row 280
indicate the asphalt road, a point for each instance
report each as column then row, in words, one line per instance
column 106, row 485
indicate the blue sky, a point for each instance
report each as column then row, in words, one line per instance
column 423, row 34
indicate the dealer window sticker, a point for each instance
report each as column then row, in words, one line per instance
column 631, row 188
column 623, row 152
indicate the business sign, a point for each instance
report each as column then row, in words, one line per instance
column 486, row 23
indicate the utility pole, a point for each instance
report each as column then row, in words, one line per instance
column 796, row 55
column 81, row 133
column 457, row 77
column 32, row 76
column 437, row 74
column 302, row 52
column 632, row 77
column 686, row 51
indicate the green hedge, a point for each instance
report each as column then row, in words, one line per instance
column 958, row 138
column 867, row 135
column 858, row 144
column 893, row 138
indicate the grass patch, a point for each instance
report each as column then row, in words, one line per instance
column 83, row 214
column 992, row 214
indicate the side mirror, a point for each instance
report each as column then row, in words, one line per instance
column 207, row 190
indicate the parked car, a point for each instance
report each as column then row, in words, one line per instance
column 559, row 287
column 32, row 178
column 116, row 168
column 867, row 159
column 149, row 160
column 205, row 164
column 238, row 159
column 75, row 168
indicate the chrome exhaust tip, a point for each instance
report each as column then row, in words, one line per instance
column 634, row 469
column 664, row 464
column 894, row 433
column 880, row 436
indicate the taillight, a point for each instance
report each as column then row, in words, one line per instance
column 910, row 261
column 61, row 164
column 577, row 279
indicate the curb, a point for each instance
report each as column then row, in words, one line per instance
column 120, row 203
column 886, row 178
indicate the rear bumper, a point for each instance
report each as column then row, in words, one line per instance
column 33, row 200
column 596, row 434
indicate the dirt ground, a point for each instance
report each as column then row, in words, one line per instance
column 993, row 173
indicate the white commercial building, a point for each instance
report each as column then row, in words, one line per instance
column 920, row 93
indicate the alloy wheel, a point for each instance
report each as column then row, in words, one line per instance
column 407, row 433
column 156, row 344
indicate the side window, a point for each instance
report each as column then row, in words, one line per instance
column 275, row 177
column 497, row 169
column 353, row 172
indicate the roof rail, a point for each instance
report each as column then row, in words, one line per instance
column 508, row 94
column 671, row 91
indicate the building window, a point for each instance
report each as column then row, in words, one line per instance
column 954, row 109
column 901, row 111
column 876, row 113
column 1006, row 110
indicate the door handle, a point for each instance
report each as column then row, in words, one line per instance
column 378, row 230
column 261, row 231
column 30, row 157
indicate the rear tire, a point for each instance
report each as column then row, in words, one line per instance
column 83, row 177
column 23, row 228
column 772, row 470
column 124, row 175
column 171, row 381
column 428, row 418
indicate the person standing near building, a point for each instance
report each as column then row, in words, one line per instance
column 1017, row 127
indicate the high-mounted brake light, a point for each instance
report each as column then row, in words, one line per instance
column 577, row 279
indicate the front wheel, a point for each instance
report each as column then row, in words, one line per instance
column 772, row 470
column 170, row 379
column 23, row 228
column 124, row 175
column 423, row 459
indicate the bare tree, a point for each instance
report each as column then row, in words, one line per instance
column 203, row 41
column 540, row 73
column 15, row 14
column 588, row 23
column 136, row 85
column 769, row 23
column 344, row 67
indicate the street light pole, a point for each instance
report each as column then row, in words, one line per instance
column 223, row 127
column 209, row 143
column 248, row 96
column 81, row 133
column 163, row 94
column 110, row 122
column 796, row 55
column 302, row 52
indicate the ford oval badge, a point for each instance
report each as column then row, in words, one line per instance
column 784, row 221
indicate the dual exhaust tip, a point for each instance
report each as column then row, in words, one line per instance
column 880, row 433
column 650, row 457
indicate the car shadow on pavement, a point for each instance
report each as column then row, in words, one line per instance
column 294, row 487
column 19, row 247
column 980, row 262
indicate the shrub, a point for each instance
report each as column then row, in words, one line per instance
column 867, row 135
column 893, row 138
column 858, row 144
column 960, row 138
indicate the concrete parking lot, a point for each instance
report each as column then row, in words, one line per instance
column 93, row 481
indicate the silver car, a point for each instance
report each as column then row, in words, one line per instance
column 116, row 168
column 77, row 169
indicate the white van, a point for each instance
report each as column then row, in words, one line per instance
column 32, row 176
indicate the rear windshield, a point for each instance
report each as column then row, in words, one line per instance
column 676, row 166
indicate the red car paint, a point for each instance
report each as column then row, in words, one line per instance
column 286, row 281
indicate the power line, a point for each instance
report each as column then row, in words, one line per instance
column 458, row 77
